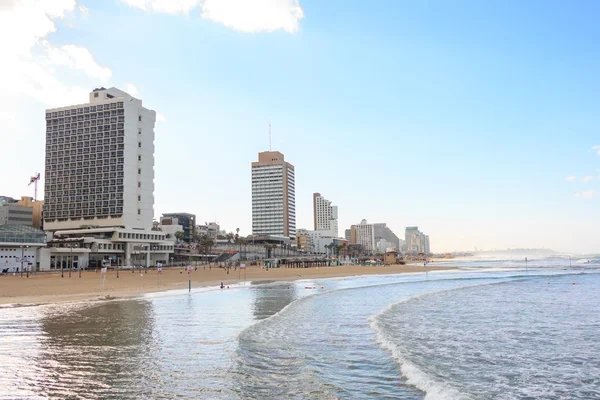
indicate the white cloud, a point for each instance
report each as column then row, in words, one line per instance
column 571, row 178
column 164, row 6
column 30, row 62
column 586, row 194
column 84, row 11
column 596, row 148
column 250, row 16
column 160, row 117
column 255, row 15
column 587, row 178
column 76, row 57
column 131, row 89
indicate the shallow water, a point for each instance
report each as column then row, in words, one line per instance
column 307, row 340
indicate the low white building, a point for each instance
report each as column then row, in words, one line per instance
column 94, row 247
column 210, row 229
column 19, row 248
column 171, row 230
column 319, row 239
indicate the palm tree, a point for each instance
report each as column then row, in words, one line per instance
column 338, row 248
column 329, row 247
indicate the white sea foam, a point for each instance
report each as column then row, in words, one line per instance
column 434, row 390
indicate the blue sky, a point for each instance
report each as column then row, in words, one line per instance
column 473, row 120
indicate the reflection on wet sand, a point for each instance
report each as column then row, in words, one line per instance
column 269, row 299
column 97, row 352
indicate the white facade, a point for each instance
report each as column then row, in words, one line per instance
column 273, row 196
column 319, row 239
column 171, row 229
column 416, row 241
column 325, row 215
column 210, row 229
column 100, row 163
column 14, row 256
column 83, row 248
column 383, row 246
column 365, row 235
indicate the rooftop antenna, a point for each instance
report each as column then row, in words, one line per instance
column 269, row 135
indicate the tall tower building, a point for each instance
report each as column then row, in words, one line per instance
column 363, row 234
column 325, row 215
column 273, row 196
column 100, row 163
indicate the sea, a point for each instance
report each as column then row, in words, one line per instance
column 493, row 329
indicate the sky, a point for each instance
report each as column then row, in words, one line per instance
column 476, row 121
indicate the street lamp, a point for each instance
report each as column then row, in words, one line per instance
column 71, row 267
column 23, row 258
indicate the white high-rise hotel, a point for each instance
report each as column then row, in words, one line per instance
column 273, row 196
column 325, row 215
column 99, row 189
column 100, row 163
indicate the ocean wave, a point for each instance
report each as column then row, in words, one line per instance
column 434, row 390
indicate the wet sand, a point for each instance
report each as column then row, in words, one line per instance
column 51, row 288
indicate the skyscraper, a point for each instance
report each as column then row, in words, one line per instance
column 99, row 189
column 100, row 163
column 324, row 214
column 363, row 234
column 273, row 196
column 383, row 232
column 416, row 241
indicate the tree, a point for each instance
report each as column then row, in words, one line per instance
column 206, row 243
column 179, row 235
column 230, row 237
column 338, row 248
column 329, row 247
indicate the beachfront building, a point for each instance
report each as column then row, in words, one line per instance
column 416, row 242
column 37, row 207
column 102, row 246
column 184, row 221
column 303, row 240
column 16, row 214
column 319, row 241
column 210, row 229
column 364, row 235
column 273, row 196
column 383, row 246
column 99, row 184
column 19, row 248
column 100, row 163
column 348, row 235
column 382, row 232
column 325, row 215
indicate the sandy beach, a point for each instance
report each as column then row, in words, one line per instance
column 51, row 288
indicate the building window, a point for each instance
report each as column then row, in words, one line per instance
column 96, row 94
column 139, row 198
column 139, row 144
column 139, row 158
column 139, row 184
column 139, row 212
column 139, row 171
column 139, row 118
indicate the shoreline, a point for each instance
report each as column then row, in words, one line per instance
column 50, row 288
